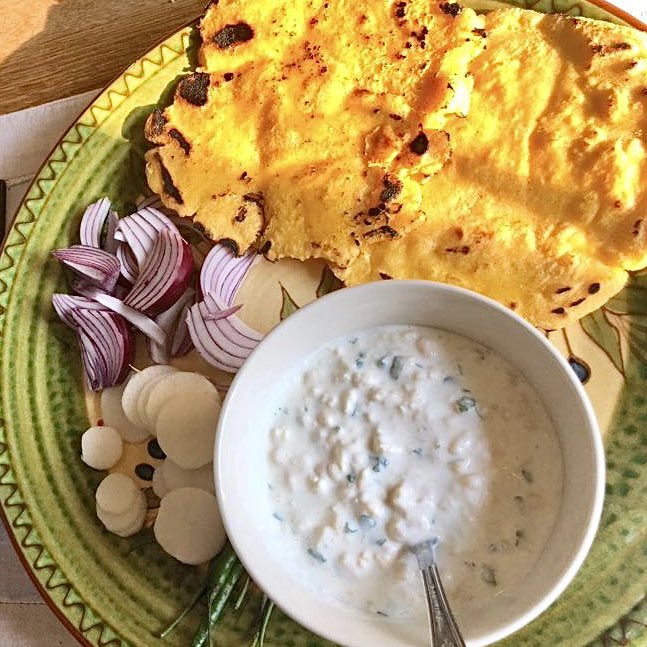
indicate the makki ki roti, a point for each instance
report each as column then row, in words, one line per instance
column 540, row 206
column 310, row 128
column 543, row 204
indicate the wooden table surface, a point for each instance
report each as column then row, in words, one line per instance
column 56, row 48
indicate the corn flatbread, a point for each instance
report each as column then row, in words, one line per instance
column 543, row 203
column 312, row 126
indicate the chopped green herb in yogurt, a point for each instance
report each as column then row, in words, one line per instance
column 400, row 434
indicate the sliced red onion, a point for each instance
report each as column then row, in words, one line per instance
column 164, row 275
column 223, row 314
column 226, row 342
column 139, row 231
column 169, row 321
column 106, row 340
column 136, row 318
column 127, row 263
column 110, row 244
column 95, row 265
column 92, row 222
column 181, row 343
column 107, row 346
column 223, row 272
column 65, row 304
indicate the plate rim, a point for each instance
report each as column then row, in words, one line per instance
column 181, row 33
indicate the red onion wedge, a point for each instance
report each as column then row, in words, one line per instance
column 217, row 333
column 106, row 340
column 138, row 232
column 109, row 243
column 107, row 346
column 127, row 263
column 225, row 342
column 92, row 225
column 223, row 314
column 135, row 317
column 66, row 304
column 223, row 272
column 164, row 276
column 181, row 343
column 96, row 266
column 170, row 321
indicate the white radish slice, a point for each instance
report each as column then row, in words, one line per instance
column 113, row 415
column 176, row 477
column 137, row 525
column 127, row 523
column 186, row 429
column 189, row 527
column 181, row 384
column 159, row 482
column 101, row 447
column 143, row 400
column 136, row 384
column 117, row 494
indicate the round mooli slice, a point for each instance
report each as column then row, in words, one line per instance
column 176, row 477
column 128, row 523
column 117, row 494
column 186, row 428
column 179, row 383
column 188, row 526
column 114, row 416
column 159, row 483
column 101, row 447
column 136, row 389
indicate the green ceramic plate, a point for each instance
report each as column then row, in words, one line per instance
column 119, row 592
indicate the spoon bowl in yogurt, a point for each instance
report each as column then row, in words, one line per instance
column 417, row 410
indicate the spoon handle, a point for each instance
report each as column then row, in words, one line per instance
column 444, row 630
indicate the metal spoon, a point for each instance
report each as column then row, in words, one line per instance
column 444, row 630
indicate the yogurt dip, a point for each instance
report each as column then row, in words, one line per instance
column 401, row 434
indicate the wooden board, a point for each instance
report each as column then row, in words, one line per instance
column 56, row 48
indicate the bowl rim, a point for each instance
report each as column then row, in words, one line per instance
column 598, row 474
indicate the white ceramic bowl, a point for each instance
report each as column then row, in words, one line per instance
column 242, row 441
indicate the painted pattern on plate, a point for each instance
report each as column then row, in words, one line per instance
column 122, row 592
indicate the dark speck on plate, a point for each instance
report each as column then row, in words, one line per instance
column 144, row 471
column 154, row 449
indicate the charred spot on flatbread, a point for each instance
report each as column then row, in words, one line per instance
column 231, row 245
column 195, row 88
column 231, row 35
column 381, row 233
column 169, row 186
column 400, row 10
column 392, row 189
column 265, row 248
column 154, row 128
column 419, row 144
column 451, row 8
column 175, row 134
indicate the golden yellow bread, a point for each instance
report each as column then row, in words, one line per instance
column 543, row 204
column 311, row 127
